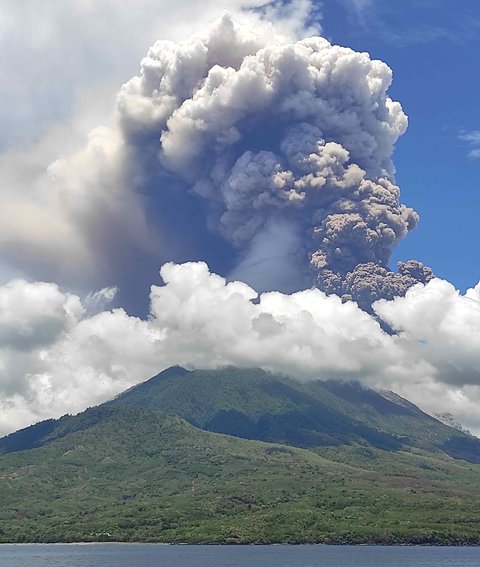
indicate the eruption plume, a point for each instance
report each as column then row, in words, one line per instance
column 267, row 157
column 269, row 133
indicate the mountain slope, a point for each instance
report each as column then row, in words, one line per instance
column 254, row 404
column 333, row 463
column 131, row 474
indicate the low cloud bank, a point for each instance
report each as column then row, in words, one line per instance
column 55, row 358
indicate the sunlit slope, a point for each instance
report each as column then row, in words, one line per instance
column 255, row 404
column 134, row 474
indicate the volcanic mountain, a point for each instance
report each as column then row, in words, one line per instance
column 242, row 455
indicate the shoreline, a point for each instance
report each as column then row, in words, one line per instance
column 233, row 544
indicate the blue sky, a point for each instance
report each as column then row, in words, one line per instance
column 433, row 47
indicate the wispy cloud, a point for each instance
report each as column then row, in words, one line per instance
column 359, row 5
column 414, row 22
column 358, row 10
column 473, row 140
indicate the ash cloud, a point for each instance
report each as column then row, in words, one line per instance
column 277, row 133
column 106, row 213
column 265, row 155
column 369, row 282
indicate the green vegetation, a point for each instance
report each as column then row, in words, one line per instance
column 254, row 404
column 126, row 471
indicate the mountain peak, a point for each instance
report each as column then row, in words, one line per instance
column 252, row 403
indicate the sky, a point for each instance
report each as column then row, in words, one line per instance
column 261, row 169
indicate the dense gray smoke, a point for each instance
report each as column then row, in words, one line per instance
column 298, row 135
column 370, row 282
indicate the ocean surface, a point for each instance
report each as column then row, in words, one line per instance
column 152, row 555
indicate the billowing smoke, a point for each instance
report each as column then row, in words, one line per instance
column 367, row 283
column 266, row 156
column 105, row 213
column 278, row 134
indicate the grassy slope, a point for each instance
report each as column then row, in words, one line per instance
column 127, row 473
column 254, row 404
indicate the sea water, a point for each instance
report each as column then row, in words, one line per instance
column 153, row 555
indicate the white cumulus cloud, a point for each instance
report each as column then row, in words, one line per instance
column 55, row 358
